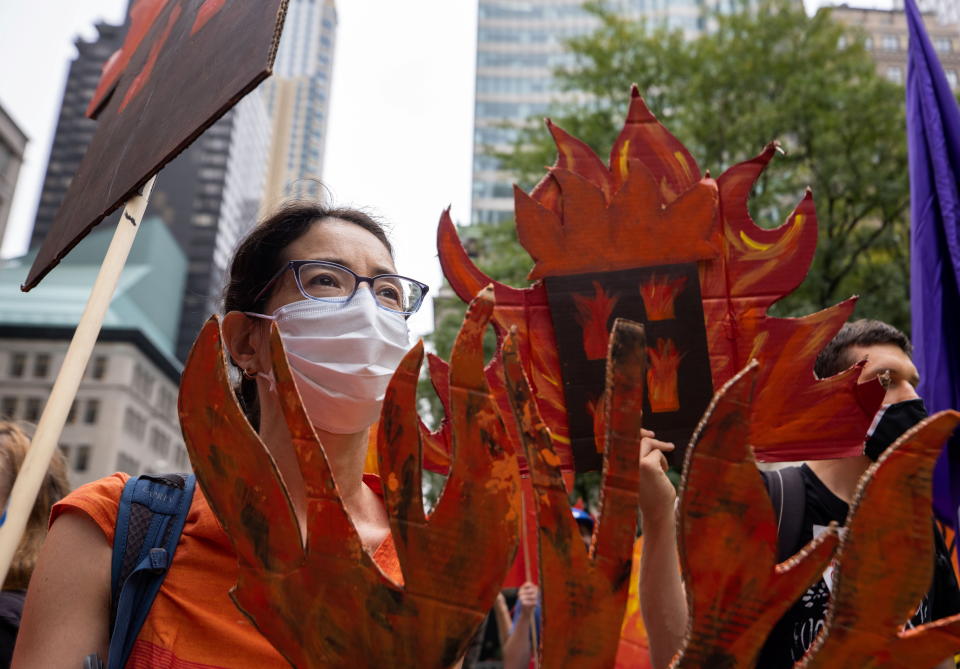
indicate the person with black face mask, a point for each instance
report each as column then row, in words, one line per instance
column 809, row 497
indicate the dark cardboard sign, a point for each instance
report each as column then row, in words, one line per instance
column 667, row 301
column 184, row 64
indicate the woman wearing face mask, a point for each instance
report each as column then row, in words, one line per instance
column 327, row 278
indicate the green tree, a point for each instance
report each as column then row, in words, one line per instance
column 762, row 74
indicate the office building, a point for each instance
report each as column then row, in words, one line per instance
column 298, row 99
column 74, row 130
column 208, row 196
column 946, row 11
column 519, row 45
column 125, row 416
column 886, row 36
column 12, row 145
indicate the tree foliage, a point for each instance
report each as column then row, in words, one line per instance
column 769, row 73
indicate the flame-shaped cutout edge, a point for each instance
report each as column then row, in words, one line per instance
column 566, row 570
column 210, row 415
column 913, row 455
column 740, row 635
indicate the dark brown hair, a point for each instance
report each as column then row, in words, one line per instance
column 260, row 255
column 14, row 444
column 835, row 356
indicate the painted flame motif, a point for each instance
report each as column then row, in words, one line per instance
column 317, row 595
column 663, row 376
column 728, row 540
column 144, row 14
column 593, row 314
column 584, row 216
column 526, row 311
column 659, row 294
column 570, row 577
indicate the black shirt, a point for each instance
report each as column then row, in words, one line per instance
column 796, row 631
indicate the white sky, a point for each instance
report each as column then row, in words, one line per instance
column 399, row 140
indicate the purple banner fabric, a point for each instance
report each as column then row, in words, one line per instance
column 933, row 139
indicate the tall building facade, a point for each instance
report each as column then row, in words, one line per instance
column 12, row 145
column 124, row 417
column 886, row 36
column 947, row 11
column 74, row 130
column 298, row 98
column 208, row 196
column 519, row 45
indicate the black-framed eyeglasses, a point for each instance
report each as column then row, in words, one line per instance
column 329, row 282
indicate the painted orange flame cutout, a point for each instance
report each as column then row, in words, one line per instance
column 886, row 560
column 593, row 315
column 659, row 295
column 663, row 377
column 321, row 600
column 736, row 591
column 586, row 593
column 587, row 217
column 526, row 311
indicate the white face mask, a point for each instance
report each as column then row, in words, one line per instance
column 342, row 356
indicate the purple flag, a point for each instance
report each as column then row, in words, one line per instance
column 933, row 139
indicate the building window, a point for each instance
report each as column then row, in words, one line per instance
column 72, row 414
column 93, row 409
column 127, row 464
column 167, row 403
column 143, row 381
column 868, row 43
column 8, row 408
column 891, row 43
column 81, row 458
column 943, row 44
column 160, row 443
column 99, row 368
column 65, row 452
column 952, row 78
column 18, row 364
column 32, row 412
column 41, row 365
column 204, row 220
column 134, row 423
column 894, row 74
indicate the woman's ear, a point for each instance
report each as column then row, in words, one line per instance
column 242, row 337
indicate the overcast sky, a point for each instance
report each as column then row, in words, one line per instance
column 400, row 124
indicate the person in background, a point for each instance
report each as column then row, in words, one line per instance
column 325, row 276
column 826, row 488
column 14, row 444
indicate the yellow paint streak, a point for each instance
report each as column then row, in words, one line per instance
column 682, row 160
column 752, row 243
column 624, row 159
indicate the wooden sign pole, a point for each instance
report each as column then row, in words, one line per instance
column 54, row 416
column 534, row 641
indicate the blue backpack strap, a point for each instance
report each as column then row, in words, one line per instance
column 150, row 519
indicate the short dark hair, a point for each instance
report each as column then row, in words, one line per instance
column 835, row 356
column 260, row 255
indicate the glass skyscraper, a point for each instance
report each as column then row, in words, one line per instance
column 519, row 45
column 298, row 97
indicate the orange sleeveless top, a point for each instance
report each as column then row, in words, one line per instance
column 193, row 623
